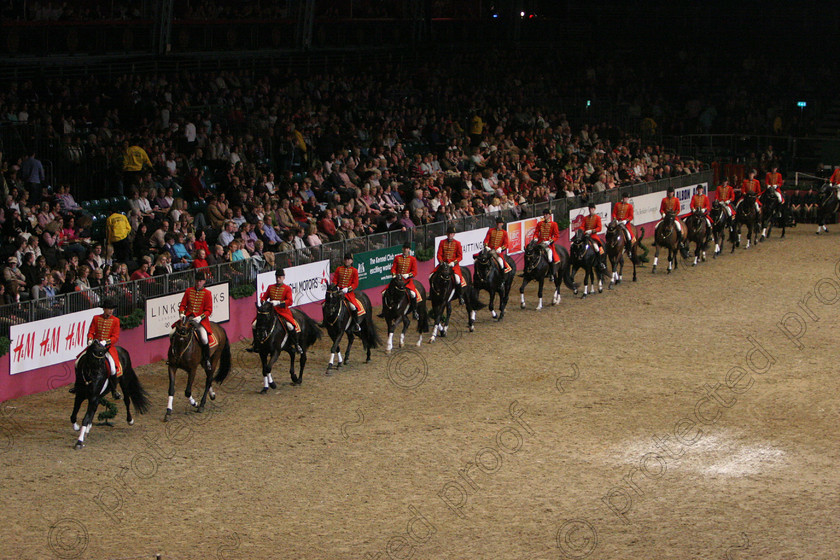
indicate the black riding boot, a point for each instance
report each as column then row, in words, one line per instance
column 602, row 263
column 205, row 357
column 356, row 325
column 293, row 338
column 459, row 291
column 114, row 381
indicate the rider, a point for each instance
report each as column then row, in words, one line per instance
column 497, row 241
column 591, row 225
column 197, row 305
column 835, row 177
column 280, row 296
column 547, row 233
column 672, row 204
column 406, row 266
column 773, row 180
column 725, row 195
column 750, row 185
column 450, row 253
column 623, row 214
column 346, row 277
column 701, row 202
column 106, row 329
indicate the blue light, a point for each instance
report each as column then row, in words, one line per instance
column 801, row 104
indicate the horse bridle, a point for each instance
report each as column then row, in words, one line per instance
column 91, row 355
column 273, row 325
column 337, row 315
column 187, row 335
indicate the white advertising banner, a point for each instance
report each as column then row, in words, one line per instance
column 577, row 215
column 646, row 207
column 471, row 242
column 162, row 312
column 308, row 282
column 50, row 341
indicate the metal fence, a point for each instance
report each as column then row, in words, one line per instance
column 132, row 295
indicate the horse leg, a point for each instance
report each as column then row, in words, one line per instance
column 655, row 257
column 168, row 414
column 391, row 327
column 503, row 301
column 295, row 379
column 671, row 258
column 87, row 421
column 540, row 283
column 188, row 390
column 406, row 324
column 126, row 399
column 77, row 404
column 207, row 386
column 302, row 365
column 335, row 348
column 525, row 282
column 350, row 339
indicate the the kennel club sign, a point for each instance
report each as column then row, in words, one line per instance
column 50, row 341
column 162, row 312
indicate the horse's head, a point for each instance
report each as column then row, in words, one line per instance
column 97, row 349
column 533, row 254
column 612, row 231
column 667, row 225
column 578, row 245
column 332, row 300
column 265, row 320
column 93, row 367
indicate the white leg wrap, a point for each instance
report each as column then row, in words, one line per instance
column 522, row 298
column 270, row 379
column 332, row 357
column 655, row 261
column 169, row 403
column 192, row 401
column 390, row 341
column 265, row 382
column 339, row 357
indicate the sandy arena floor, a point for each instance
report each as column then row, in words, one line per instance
column 601, row 428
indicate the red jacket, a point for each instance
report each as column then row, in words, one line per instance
column 724, row 194
column 623, row 211
column 197, row 303
column 282, row 293
column 700, row 201
column 669, row 204
column 497, row 239
column 593, row 222
column 835, row 177
column 774, row 179
column 450, row 251
column 346, row 277
column 404, row 265
column 104, row 329
column 547, row 231
column 751, row 186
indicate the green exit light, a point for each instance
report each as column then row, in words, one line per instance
column 588, row 102
column 801, row 104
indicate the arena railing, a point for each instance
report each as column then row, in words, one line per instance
column 132, row 295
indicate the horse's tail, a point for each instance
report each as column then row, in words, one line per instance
column 313, row 331
column 371, row 335
column 224, row 363
column 138, row 396
column 567, row 276
column 475, row 301
column 423, row 323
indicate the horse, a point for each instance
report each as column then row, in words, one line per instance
column 185, row 354
column 338, row 319
column 616, row 246
column 537, row 266
column 721, row 221
column 584, row 255
column 93, row 380
column 772, row 209
column 667, row 235
column 491, row 277
column 271, row 338
column 747, row 215
column 698, row 232
column 827, row 209
column 396, row 307
column 442, row 288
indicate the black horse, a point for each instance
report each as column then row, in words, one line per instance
column 271, row 338
column 490, row 276
column 828, row 206
column 721, row 222
column 339, row 320
column 616, row 245
column 699, row 232
column 772, row 210
column 93, row 380
column 667, row 234
column 442, row 290
column 537, row 266
column 584, row 255
column 747, row 214
column 396, row 307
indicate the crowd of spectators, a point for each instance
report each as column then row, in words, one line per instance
column 272, row 161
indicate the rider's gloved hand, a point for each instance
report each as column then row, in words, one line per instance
column 345, row 290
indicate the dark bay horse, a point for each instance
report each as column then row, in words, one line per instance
column 584, row 255
column 537, row 266
column 721, row 222
column 339, row 320
column 489, row 276
column 616, row 247
column 271, row 338
column 396, row 308
column 747, row 214
column 829, row 204
column 442, row 289
column 667, row 235
column 185, row 354
column 699, row 233
column 772, row 210
column 93, row 380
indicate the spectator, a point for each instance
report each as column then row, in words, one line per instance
column 143, row 271
column 32, row 175
column 227, row 235
column 12, row 276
